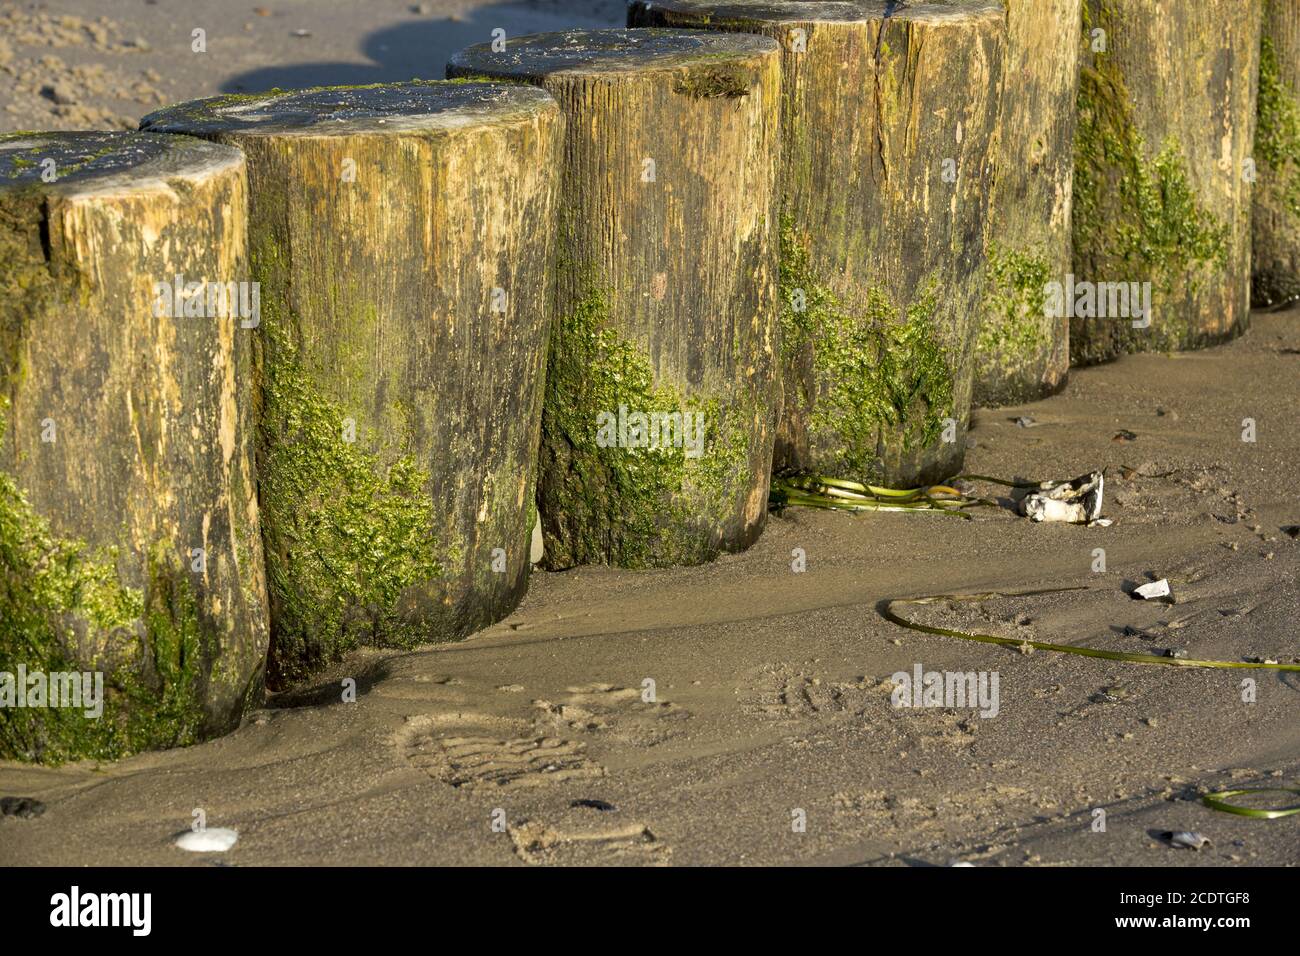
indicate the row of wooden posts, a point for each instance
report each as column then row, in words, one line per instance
column 287, row 373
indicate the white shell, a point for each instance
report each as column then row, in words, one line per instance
column 1188, row 838
column 208, row 840
column 1077, row 501
column 1156, row 589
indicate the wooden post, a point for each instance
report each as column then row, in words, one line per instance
column 1276, row 277
column 889, row 125
column 129, row 541
column 1162, row 189
column 402, row 234
column 1022, row 352
column 662, row 392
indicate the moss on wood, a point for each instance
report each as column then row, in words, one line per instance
column 57, row 596
column 879, row 373
column 1276, row 274
column 635, row 507
column 353, row 533
column 1015, row 332
column 1139, row 214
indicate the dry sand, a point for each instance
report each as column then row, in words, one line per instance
column 771, row 686
column 103, row 64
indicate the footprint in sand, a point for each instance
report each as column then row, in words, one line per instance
column 788, row 695
column 617, row 711
column 575, row 844
column 480, row 752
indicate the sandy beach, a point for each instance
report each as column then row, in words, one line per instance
column 771, row 686
column 694, row 716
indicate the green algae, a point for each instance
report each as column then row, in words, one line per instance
column 26, row 285
column 1014, row 329
column 21, row 162
column 711, row 82
column 349, row 534
column 1277, row 141
column 1277, row 144
column 635, row 507
column 65, row 607
column 349, row 531
column 1136, row 215
column 59, row 598
column 879, row 372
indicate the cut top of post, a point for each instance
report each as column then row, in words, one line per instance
column 80, row 164
column 587, row 52
column 736, row 14
column 341, row 110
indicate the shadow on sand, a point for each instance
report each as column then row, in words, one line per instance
column 421, row 48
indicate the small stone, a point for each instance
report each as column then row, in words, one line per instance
column 22, row 807
column 590, row 804
column 59, row 92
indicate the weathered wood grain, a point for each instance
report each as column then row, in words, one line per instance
column 1162, row 190
column 1276, row 227
column 889, row 129
column 129, row 540
column 1022, row 352
column 666, row 289
column 403, row 238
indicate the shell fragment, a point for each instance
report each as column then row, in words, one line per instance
column 1077, row 501
column 207, row 840
column 1156, row 589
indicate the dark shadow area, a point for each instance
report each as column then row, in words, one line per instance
column 328, row 690
column 421, row 48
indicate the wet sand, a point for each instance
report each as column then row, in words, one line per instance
column 771, row 686
column 772, row 690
